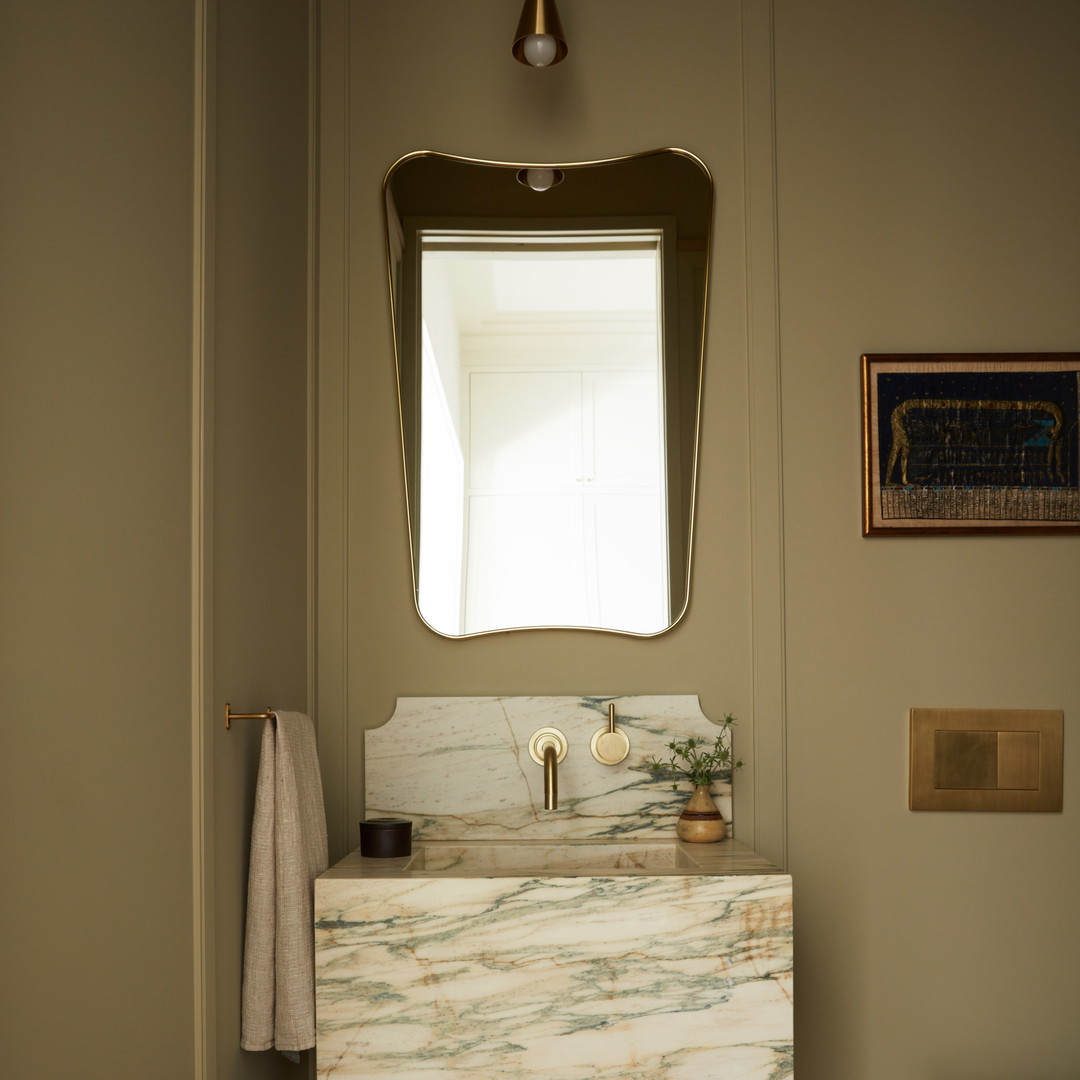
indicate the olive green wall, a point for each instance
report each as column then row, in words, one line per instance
column 928, row 157
column 95, row 454
column 100, row 326
column 456, row 88
column 925, row 157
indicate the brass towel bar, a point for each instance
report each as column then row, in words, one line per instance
column 230, row 716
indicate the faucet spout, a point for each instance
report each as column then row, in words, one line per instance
column 551, row 777
column 547, row 747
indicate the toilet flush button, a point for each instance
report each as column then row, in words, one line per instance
column 986, row 759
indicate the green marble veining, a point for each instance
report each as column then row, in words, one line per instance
column 485, row 976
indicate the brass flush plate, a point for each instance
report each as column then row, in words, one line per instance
column 986, row 759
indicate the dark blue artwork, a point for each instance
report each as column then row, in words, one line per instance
column 978, row 429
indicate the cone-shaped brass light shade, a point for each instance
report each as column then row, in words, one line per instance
column 539, row 17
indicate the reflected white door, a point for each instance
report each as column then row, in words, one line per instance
column 566, row 510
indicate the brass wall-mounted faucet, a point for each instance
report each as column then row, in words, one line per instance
column 547, row 747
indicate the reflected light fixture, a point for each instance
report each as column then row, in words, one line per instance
column 539, row 40
column 541, row 178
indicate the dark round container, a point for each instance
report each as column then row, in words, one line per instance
column 385, row 838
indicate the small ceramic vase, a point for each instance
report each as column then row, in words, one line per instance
column 700, row 822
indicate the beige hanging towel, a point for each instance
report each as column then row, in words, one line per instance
column 288, row 851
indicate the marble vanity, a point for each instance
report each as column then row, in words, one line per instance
column 564, row 946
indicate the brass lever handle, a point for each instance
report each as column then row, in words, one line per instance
column 610, row 744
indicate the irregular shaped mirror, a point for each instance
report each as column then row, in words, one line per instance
column 549, row 330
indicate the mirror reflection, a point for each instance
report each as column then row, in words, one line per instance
column 549, row 340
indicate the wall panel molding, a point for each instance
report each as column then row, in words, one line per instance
column 332, row 407
column 754, row 589
column 766, row 460
column 202, row 711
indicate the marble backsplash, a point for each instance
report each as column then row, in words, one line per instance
column 459, row 767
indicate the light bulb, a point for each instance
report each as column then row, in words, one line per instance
column 539, row 49
column 540, row 179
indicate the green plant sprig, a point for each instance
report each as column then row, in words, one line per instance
column 694, row 760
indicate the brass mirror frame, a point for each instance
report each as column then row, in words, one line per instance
column 393, row 266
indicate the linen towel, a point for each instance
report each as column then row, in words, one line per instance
column 288, row 851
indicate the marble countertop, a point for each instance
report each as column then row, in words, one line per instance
column 468, row 858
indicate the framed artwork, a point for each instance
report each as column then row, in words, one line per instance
column 971, row 443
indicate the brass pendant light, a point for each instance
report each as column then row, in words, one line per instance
column 539, row 40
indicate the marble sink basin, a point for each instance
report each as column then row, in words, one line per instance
column 563, row 858
column 554, row 959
